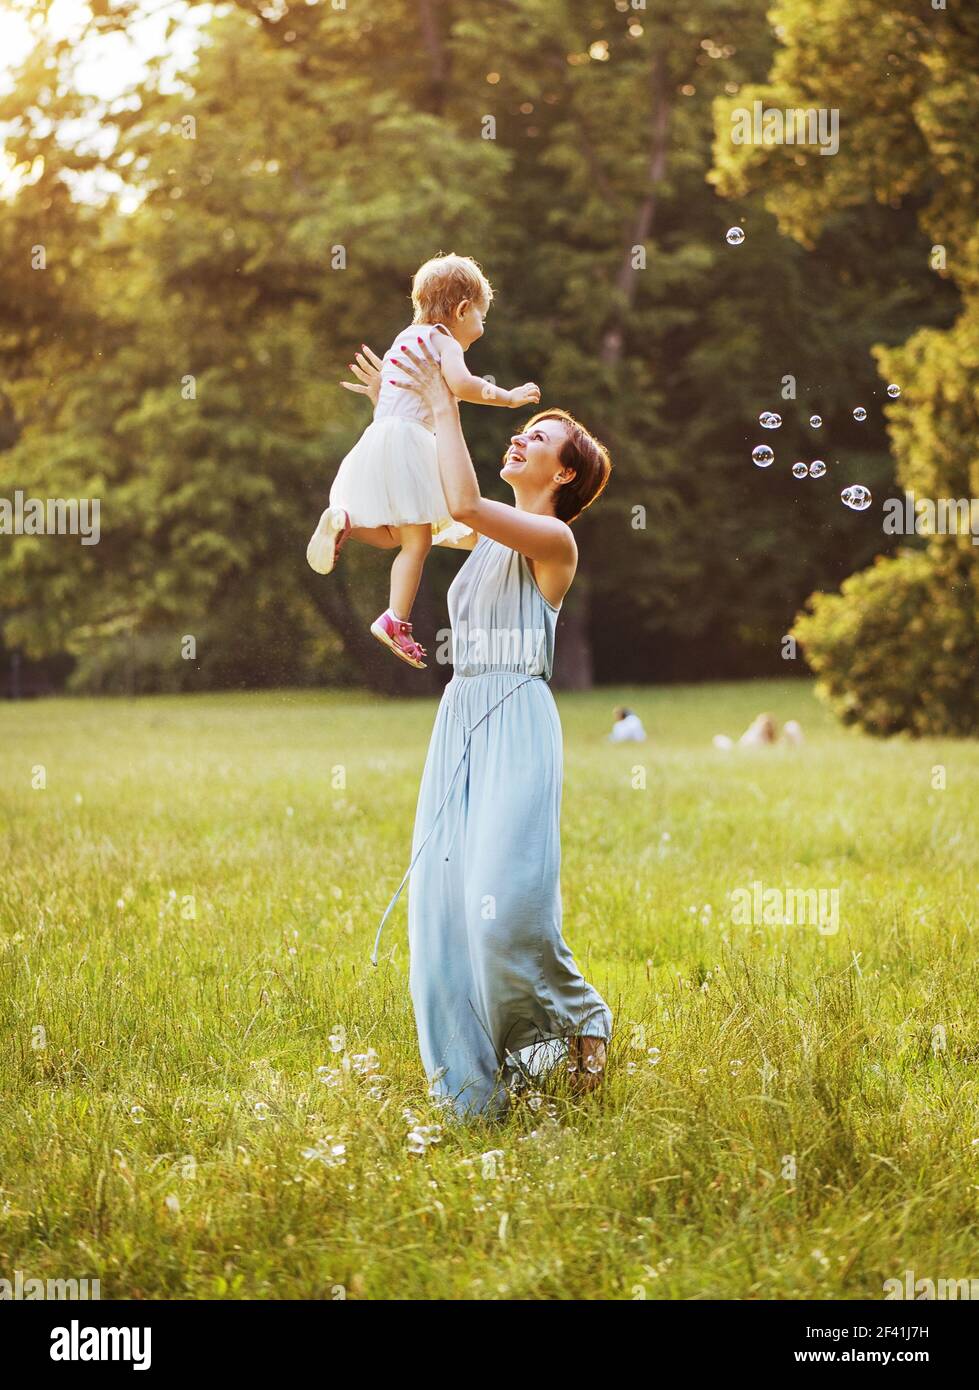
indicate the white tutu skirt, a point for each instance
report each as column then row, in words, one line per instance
column 391, row 478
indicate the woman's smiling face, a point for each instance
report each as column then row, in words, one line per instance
column 534, row 454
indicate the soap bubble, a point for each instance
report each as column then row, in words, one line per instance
column 735, row 236
column 893, row 391
column 859, row 413
column 762, row 455
column 857, row 497
column 815, row 421
column 799, row 470
column 769, row 420
column 817, row 468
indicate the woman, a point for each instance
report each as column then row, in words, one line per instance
column 494, row 986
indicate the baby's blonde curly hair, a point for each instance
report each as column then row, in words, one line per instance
column 442, row 283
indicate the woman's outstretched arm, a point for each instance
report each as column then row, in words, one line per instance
column 543, row 538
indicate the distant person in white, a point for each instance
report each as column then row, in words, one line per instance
column 762, row 732
column 627, row 727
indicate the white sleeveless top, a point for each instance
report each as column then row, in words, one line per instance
column 393, row 402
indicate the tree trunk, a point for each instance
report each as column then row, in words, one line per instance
column 642, row 224
column 572, row 655
column 576, row 665
column 435, row 51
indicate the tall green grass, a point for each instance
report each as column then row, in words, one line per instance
column 187, row 910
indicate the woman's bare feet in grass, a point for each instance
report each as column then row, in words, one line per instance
column 586, row 1063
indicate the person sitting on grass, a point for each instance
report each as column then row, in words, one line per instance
column 762, row 732
column 627, row 727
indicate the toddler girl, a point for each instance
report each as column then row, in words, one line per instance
column 387, row 491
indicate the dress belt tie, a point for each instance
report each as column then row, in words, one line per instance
column 462, row 759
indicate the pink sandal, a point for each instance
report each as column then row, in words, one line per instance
column 396, row 634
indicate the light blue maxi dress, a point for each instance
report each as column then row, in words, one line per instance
column 495, row 989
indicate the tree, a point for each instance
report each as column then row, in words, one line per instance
column 268, row 217
column 908, row 94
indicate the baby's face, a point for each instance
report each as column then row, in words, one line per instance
column 469, row 323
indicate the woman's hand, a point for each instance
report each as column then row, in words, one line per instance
column 367, row 368
column 424, row 378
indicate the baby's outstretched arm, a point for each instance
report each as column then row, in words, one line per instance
column 477, row 389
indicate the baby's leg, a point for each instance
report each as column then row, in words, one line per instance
column 381, row 537
column 406, row 572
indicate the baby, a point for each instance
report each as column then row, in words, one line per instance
column 387, row 491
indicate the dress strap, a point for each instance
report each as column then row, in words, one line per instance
column 459, row 765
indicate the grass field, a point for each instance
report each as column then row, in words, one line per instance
column 187, row 910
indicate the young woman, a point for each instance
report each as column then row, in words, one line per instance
column 494, row 986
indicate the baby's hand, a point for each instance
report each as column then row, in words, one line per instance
column 528, row 394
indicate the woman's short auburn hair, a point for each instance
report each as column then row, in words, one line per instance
column 441, row 285
column 586, row 455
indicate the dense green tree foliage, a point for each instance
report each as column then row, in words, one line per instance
column 263, row 214
column 898, row 648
